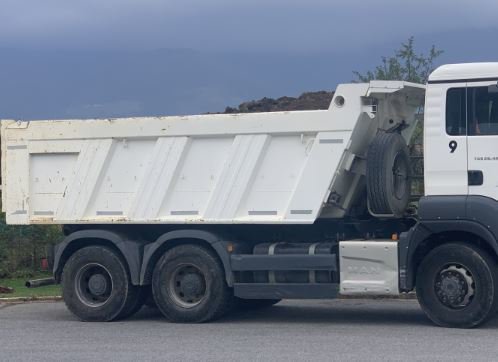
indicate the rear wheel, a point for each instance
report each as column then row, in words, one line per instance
column 96, row 285
column 457, row 285
column 188, row 284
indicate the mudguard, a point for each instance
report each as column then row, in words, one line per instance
column 477, row 215
column 131, row 250
column 152, row 251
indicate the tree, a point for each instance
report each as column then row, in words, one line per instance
column 405, row 64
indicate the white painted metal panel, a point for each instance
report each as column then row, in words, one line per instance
column 196, row 179
column 275, row 179
column 116, row 185
column 249, row 168
column 327, row 149
column 91, row 163
column 445, row 172
column 16, row 158
column 49, row 176
column 464, row 71
column 160, row 172
column 369, row 267
column 235, row 179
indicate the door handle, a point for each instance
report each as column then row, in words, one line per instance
column 475, row 177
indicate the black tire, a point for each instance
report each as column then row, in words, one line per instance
column 149, row 300
column 388, row 175
column 457, row 285
column 254, row 304
column 135, row 301
column 96, row 286
column 188, row 284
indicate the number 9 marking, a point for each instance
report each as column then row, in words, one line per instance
column 453, row 146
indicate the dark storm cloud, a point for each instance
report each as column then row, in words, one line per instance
column 110, row 58
column 232, row 25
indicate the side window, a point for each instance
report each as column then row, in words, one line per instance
column 482, row 111
column 456, row 122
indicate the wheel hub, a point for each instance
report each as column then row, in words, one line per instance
column 97, row 284
column 454, row 287
column 93, row 285
column 400, row 176
column 187, row 286
column 191, row 285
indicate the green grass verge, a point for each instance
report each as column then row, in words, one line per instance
column 20, row 291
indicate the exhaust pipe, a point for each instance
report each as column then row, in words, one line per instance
column 36, row 283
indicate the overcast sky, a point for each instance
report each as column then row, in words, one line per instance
column 273, row 34
column 230, row 24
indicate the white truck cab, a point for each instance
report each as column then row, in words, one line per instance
column 219, row 210
column 461, row 130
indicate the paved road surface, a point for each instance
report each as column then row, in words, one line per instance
column 292, row 330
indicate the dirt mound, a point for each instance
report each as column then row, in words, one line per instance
column 306, row 101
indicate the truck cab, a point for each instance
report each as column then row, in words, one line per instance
column 457, row 218
column 461, row 130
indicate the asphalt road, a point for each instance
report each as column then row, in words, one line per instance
column 292, row 330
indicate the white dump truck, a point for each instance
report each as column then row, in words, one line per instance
column 213, row 211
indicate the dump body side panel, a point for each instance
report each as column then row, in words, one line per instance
column 260, row 168
column 182, row 179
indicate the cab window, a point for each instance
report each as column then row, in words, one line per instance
column 482, row 110
column 456, row 122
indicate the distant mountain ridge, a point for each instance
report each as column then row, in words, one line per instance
column 306, row 101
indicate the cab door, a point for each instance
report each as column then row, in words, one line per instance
column 482, row 130
column 445, row 139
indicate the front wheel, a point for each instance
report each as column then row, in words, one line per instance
column 457, row 285
column 188, row 284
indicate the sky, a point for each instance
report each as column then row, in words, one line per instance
column 106, row 58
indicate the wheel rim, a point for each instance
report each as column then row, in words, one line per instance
column 455, row 286
column 400, row 176
column 187, row 286
column 94, row 285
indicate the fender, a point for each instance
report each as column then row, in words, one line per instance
column 131, row 250
column 475, row 215
column 153, row 251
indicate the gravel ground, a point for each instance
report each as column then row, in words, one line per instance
column 372, row 330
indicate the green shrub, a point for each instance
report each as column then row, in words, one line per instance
column 23, row 246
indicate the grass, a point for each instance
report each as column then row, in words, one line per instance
column 20, row 290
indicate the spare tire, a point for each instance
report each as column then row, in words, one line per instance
column 388, row 175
